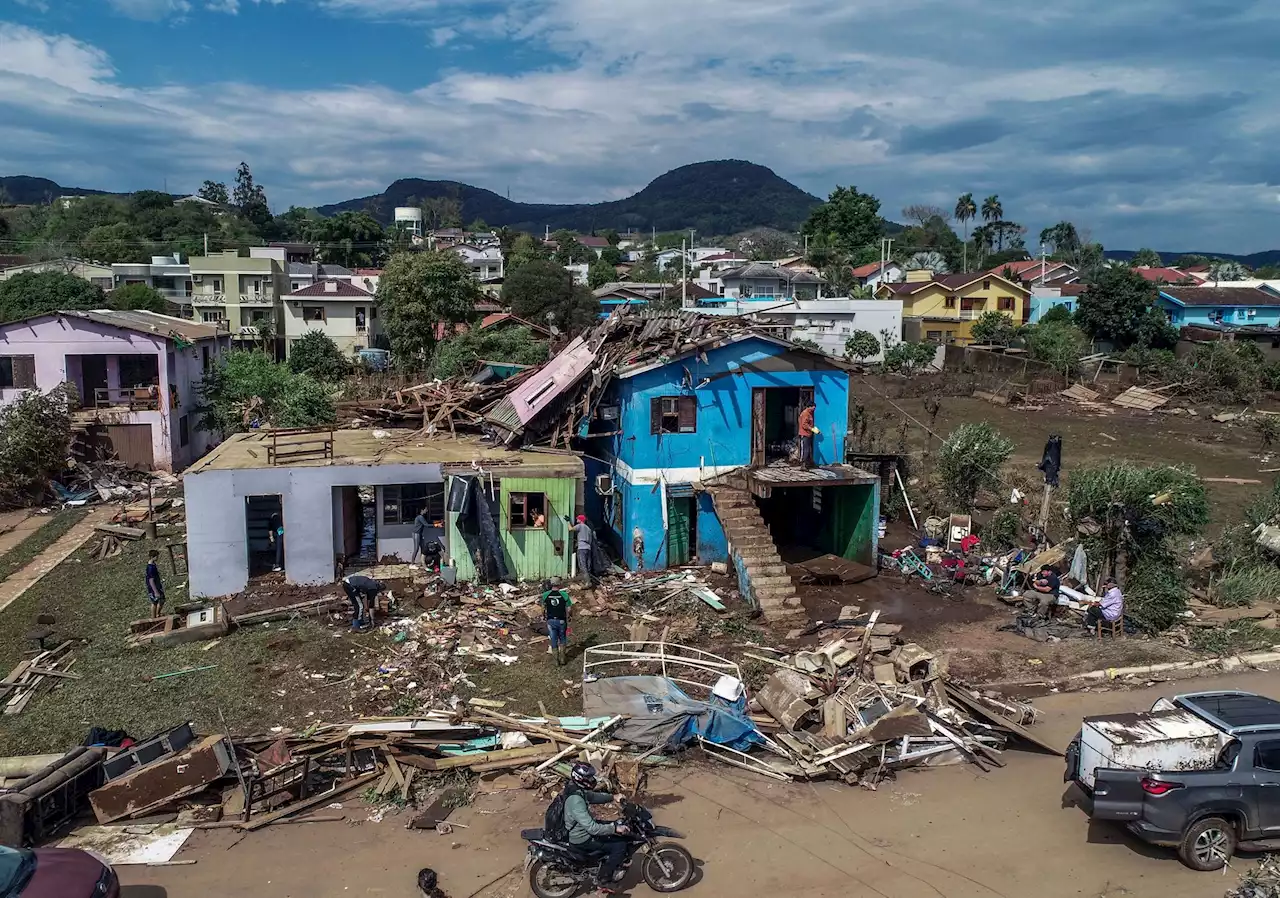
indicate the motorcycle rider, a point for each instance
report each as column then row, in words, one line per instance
column 588, row 834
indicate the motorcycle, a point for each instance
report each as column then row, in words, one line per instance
column 559, row 870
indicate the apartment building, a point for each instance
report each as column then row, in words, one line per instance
column 242, row 291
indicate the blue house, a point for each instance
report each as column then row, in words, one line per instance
column 1218, row 307
column 694, row 454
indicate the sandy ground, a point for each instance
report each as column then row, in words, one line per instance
column 944, row 833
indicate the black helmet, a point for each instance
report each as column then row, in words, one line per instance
column 583, row 776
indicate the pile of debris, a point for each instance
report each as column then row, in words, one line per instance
column 439, row 406
column 37, row 674
column 107, row 480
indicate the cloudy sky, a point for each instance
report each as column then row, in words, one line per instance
column 1147, row 122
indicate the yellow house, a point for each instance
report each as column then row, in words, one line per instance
column 942, row 308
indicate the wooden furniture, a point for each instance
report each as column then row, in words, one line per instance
column 1116, row 626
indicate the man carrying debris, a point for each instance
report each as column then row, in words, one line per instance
column 155, row 589
column 586, row 546
column 1109, row 608
column 807, row 430
column 429, row 546
column 585, row 832
column 556, row 603
column 362, row 592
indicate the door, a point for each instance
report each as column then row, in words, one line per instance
column 1118, row 795
column 680, row 538
column 758, row 407
column 93, row 369
column 129, row 443
column 1266, row 787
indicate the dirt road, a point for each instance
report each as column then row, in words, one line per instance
column 944, row 833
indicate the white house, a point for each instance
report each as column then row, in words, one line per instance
column 93, row 272
column 335, row 307
column 760, row 281
column 831, row 322
column 485, row 262
column 873, row 273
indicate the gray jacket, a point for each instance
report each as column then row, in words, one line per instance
column 578, row 820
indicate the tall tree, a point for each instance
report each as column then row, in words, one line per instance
column 1146, row 258
column 966, row 210
column 352, row 239
column 419, row 292
column 37, row 292
column 992, row 210
column 600, row 273
column 442, row 212
column 847, row 221
column 113, row 243
column 921, row 213
column 1062, row 240
column 214, row 192
column 568, row 250
column 541, row 291
column 524, row 249
column 250, row 198
column 1120, row 306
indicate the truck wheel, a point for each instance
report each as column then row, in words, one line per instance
column 1208, row 844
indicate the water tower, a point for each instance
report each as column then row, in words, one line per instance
column 409, row 218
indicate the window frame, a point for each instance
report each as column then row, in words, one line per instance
column 432, row 501
column 18, row 366
column 184, row 432
column 527, row 509
column 949, row 302
column 681, row 410
column 1257, row 755
column 323, row 319
column 1006, row 304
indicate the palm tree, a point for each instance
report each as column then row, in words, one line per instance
column 966, row 211
column 991, row 208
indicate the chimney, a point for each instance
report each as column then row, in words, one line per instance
column 330, row 286
column 918, row 275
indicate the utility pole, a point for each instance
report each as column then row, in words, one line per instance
column 1042, row 264
column 206, row 243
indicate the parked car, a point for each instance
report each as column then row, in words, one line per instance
column 55, row 873
column 1199, row 772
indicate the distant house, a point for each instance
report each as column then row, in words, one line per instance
column 168, row 275
column 304, row 274
column 830, row 323
column 93, row 272
column 1034, row 271
column 485, row 262
column 1047, row 296
column 137, row 374
column 1166, row 276
column 596, row 244
column 759, row 281
column 873, row 273
column 1221, row 307
column 338, row 308
column 628, row 293
column 942, row 308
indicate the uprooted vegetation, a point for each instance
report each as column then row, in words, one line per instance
column 35, row 432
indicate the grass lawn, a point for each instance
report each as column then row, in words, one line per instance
column 25, row 552
column 98, row 599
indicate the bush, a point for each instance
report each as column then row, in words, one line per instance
column 1057, row 343
column 245, row 387
column 317, row 356
column 1244, row 584
column 35, row 434
column 461, row 354
column 994, row 327
column 1155, row 595
column 1056, row 315
column 1003, row 531
column 861, row 345
column 1226, row 372
column 970, row 460
column 909, row 357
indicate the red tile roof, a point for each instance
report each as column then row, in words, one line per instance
column 866, row 271
column 334, row 288
column 1167, row 275
column 724, row 257
column 950, row 281
column 594, row 242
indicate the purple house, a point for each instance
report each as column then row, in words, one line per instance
column 136, row 372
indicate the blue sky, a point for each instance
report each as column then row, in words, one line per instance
column 1147, row 123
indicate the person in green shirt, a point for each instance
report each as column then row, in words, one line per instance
column 556, row 604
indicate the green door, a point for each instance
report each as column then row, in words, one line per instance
column 679, row 530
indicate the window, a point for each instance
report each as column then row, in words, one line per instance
column 950, row 302
column 17, row 372
column 951, row 337
column 294, row 286
column 527, row 511
column 139, row 370
column 184, row 431
column 360, row 320
column 1005, row 303
column 1267, row 755
column 1251, row 313
column 402, row 503
column 313, row 313
column 673, row 414
column 986, row 284
column 933, row 336
column 211, row 317
column 217, row 285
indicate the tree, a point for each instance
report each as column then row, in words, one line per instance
column 934, row 236
column 994, row 328
column 612, row 255
column 37, row 292
column 909, row 357
column 970, row 460
column 350, row 239
column 478, row 226
column 1120, row 306
column 1146, row 258
column 460, row 354
column 214, row 192
column 35, row 435
column 1190, row 260
column 568, row 250
column 137, row 296
column 419, row 292
column 847, row 221
column 862, row 345
column 992, row 210
column 1224, row 270
column 966, row 211
column 543, row 292
column 933, row 261
column 248, row 386
column 525, row 249
column 442, row 212
column 1057, row 342
column 920, row 213
column 1265, row 272
column 113, row 243
column 1056, row 315
column 612, row 236
column 600, row 273
column 316, row 355
column 1062, row 241
column 249, row 197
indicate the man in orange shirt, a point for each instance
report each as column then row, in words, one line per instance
column 807, row 430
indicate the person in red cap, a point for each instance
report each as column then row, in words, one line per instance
column 586, row 546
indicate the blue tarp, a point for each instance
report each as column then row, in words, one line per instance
column 659, row 714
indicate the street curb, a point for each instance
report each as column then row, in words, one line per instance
column 1169, row 670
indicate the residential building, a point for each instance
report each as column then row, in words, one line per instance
column 1034, row 271
column 304, row 274
column 168, row 275
column 1055, row 293
column 874, row 273
column 485, row 262
column 694, row 454
column 242, row 291
column 137, row 375
column 700, row 254
column 525, row 498
column 796, row 263
column 304, row 253
column 1221, row 307
column 942, row 308
column 367, row 278
column 760, row 281
column 337, row 308
column 1166, row 275
column 830, row 322
column 628, row 293
column 596, row 244
column 93, row 272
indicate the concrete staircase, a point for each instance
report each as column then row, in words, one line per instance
column 761, row 573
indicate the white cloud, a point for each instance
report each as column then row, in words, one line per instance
column 442, row 36
column 230, row 7
column 151, row 10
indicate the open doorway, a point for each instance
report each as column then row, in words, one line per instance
column 808, row 522
column 263, row 515
column 775, row 417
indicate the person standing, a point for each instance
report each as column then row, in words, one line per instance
column 586, row 547
column 807, row 430
column 155, row 589
column 1109, row 608
column 426, row 542
column 275, row 536
column 362, row 592
column 556, row 604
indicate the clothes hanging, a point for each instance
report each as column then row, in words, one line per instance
column 1051, row 461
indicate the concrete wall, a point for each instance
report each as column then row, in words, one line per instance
column 339, row 323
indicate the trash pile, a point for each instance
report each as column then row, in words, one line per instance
column 1262, row 881
column 107, row 480
column 435, row 407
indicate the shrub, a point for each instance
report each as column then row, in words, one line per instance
column 248, row 386
column 970, row 461
column 35, row 434
column 909, row 357
column 316, row 355
column 862, row 345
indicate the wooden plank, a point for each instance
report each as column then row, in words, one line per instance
column 313, row 801
column 463, row 761
column 394, row 769
column 122, row 532
column 974, row 706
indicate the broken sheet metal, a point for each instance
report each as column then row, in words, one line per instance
column 659, row 714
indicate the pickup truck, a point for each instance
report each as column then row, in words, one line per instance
column 1199, row 772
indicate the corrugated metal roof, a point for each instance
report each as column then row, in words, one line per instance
column 150, row 323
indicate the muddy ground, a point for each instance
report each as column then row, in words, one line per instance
column 950, row 832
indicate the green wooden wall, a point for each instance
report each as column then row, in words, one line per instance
column 531, row 554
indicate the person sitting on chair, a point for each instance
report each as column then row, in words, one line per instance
column 1108, row 609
